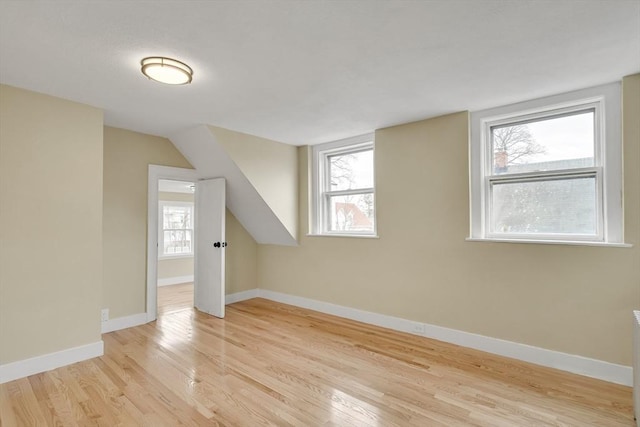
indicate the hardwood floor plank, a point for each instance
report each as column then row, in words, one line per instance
column 175, row 298
column 272, row 364
column 7, row 415
column 24, row 406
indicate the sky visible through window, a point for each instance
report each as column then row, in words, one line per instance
column 544, row 205
column 351, row 171
column 563, row 138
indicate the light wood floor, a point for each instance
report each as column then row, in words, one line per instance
column 175, row 298
column 272, row 364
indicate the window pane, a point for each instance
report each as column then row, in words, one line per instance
column 566, row 206
column 562, row 142
column 178, row 217
column 351, row 171
column 351, row 213
column 177, row 241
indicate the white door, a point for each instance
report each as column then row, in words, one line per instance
column 210, row 246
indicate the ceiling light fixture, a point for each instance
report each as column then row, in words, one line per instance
column 166, row 70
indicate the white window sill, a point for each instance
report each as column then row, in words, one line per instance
column 175, row 256
column 550, row 242
column 362, row 236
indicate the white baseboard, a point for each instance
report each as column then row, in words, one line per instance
column 124, row 322
column 567, row 362
column 35, row 365
column 240, row 296
column 141, row 318
column 175, row 280
column 594, row 368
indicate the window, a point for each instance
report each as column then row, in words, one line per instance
column 549, row 170
column 343, row 188
column 176, row 229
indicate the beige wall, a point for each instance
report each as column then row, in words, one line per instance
column 241, row 257
column 271, row 167
column 176, row 197
column 175, row 267
column 574, row 299
column 126, row 158
column 50, row 224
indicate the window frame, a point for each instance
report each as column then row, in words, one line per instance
column 161, row 229
column 320, row 195
column 607, row 168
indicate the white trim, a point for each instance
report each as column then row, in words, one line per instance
column 608, row 155
column 318, row 211
column 141, row 318
column 176, row 280
column 241, row 296
column 364, row 236
column 551, row 242
column 554, row 359
column 124, row 322
column 176, row 256
column 156, row 173
column 636, row 366
column 46, row 362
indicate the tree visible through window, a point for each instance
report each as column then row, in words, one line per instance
column 559, row 196
column 549, row 169
column 350, row 194
column 513, row 145
column 344, row 190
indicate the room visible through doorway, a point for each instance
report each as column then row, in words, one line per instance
column 175, row 271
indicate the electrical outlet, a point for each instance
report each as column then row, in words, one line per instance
column 419, row 328
column 105, row 314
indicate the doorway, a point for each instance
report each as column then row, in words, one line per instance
column 176, row 249
column 207, row 239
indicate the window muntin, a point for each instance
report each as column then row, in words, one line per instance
column 565, row 186
column 343, row 188
column 176, row 233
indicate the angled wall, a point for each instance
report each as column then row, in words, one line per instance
column 127, row 156
column 271, row 167
column 203, row 148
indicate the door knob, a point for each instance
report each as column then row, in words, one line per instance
column 220, row 245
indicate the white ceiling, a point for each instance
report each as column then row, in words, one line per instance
column 305, row 72
column 169, row 186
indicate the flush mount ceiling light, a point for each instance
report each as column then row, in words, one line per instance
column 166, row 70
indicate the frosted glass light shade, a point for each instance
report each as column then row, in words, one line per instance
column 166, row 70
